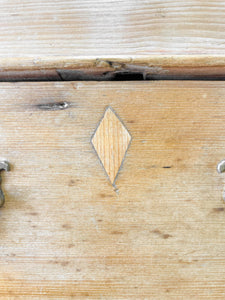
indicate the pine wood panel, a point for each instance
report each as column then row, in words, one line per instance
column 66, row 232
column 106, row 27
column 36, row 34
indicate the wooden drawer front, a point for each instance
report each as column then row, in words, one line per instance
column 157, row 233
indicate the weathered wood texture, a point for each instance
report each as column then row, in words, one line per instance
column 66, row 232
column 36, row 34
column 106, row 27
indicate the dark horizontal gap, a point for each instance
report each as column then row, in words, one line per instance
column 139, row 76
column 74, row 75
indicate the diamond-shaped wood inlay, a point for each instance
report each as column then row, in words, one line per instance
column 111, row 141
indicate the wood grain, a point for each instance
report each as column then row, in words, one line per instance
column 67, row 233
column 111, row 141
column 111, row 27
column 36, row 33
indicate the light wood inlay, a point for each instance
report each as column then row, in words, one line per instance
column 111, row 141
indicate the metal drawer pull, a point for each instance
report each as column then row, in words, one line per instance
column 4, row 165
column 221, row 166
column 221, row 169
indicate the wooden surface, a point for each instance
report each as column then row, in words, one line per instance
column 106, row 27
column 39, row 34
column 66, row 232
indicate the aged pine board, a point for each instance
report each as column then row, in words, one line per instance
column 36, row 35
column 106, row 27
column 66, row 232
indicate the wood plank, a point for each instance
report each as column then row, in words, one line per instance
column 66, row 232
column 111, row 27
column 39, row 32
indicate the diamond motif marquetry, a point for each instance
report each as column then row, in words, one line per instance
column 111, row 141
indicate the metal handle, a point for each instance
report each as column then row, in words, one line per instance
column 4, row 165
